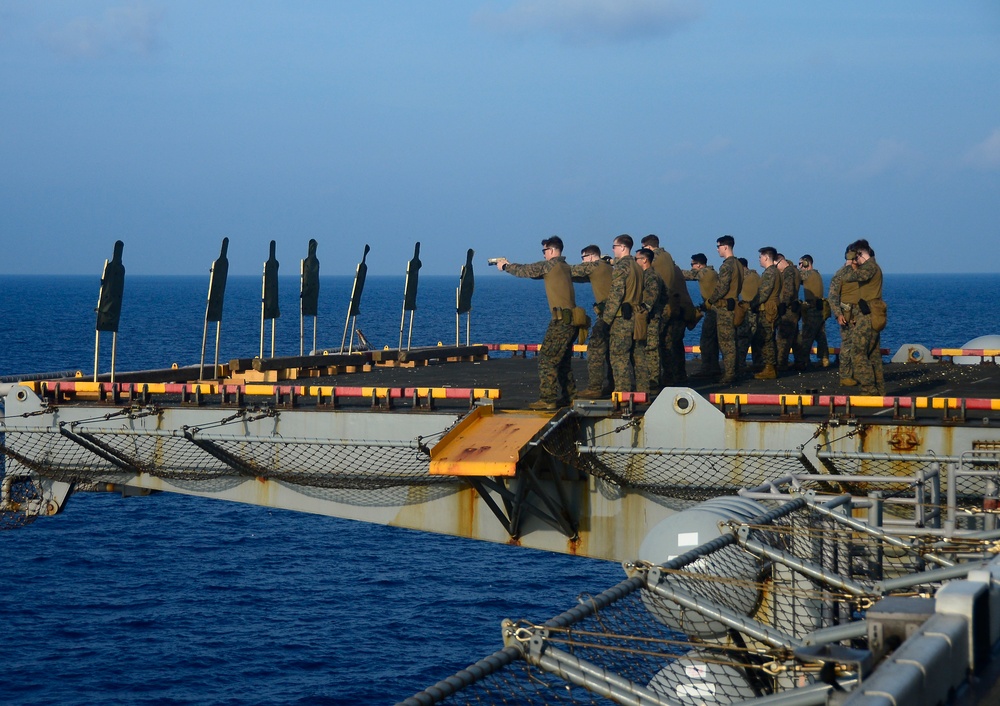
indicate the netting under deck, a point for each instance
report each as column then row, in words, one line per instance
column 107, row 455
column 689, row 474
column 22, row 492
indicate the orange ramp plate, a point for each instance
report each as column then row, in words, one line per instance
column 484, row 444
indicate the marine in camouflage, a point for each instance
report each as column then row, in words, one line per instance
column 787, row 330
column 730, row 282
column 647, row 352
column 599, row 375
column 706, row 277
column 555, row 374
column 866, row 353
column 841, row 294
column 764, row 339
column 625, row 284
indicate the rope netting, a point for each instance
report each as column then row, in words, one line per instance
column 22, row 492
column 686, row 655
column 107, row 455
column 689, row 474
column 18, row 490
column 93, row 451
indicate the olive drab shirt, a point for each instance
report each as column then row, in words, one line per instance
column 681, row 289
column 841, row 290
column 598, row 273
column 812, row 289
column 707, row 280
column 663, row 263
column 729, row 282
column 556, row 275
column 751, row 283
column 626, row 287
column 869, row 278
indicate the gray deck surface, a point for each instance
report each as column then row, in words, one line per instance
column 517, row 379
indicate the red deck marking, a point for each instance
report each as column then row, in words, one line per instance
column 636, row 397
column 349, row 392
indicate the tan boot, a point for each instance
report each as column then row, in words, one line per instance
column 848, row 382
column 768, row 373
column 543, row 405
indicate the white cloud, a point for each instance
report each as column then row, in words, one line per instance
column 889, row 155
column 985, row 155
column 128, row 29
column 582, row 21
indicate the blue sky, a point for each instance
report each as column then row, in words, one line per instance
column 491, row 125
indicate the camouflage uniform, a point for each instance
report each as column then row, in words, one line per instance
column 647, row 352
column 555, row 375
column 723, row 300
column 707, row 279
column 770, row 287
column 788, row 317
column 746, row 331
column 598, row 273
column 666, row 268
column 624, row 298
column 843, row 297
column 813, row 321
column 866, row 355
column 681, row 308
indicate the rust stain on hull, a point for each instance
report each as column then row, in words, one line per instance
column 467, row 501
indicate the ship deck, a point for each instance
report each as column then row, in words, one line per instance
column 934, row 393
column 517, row 380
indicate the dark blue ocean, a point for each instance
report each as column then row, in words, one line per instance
column 178, row 600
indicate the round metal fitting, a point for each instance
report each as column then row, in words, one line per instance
column 683, row 403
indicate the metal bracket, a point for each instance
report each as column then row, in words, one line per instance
column 109, row 454
column 529, row 497
column 234, row 462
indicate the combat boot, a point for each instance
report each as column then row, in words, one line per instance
column 848, row 382
column 590, row 394
column 768, row 373
column 543, row 405
column 826, row 362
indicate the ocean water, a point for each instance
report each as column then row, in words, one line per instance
column 175, row 600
